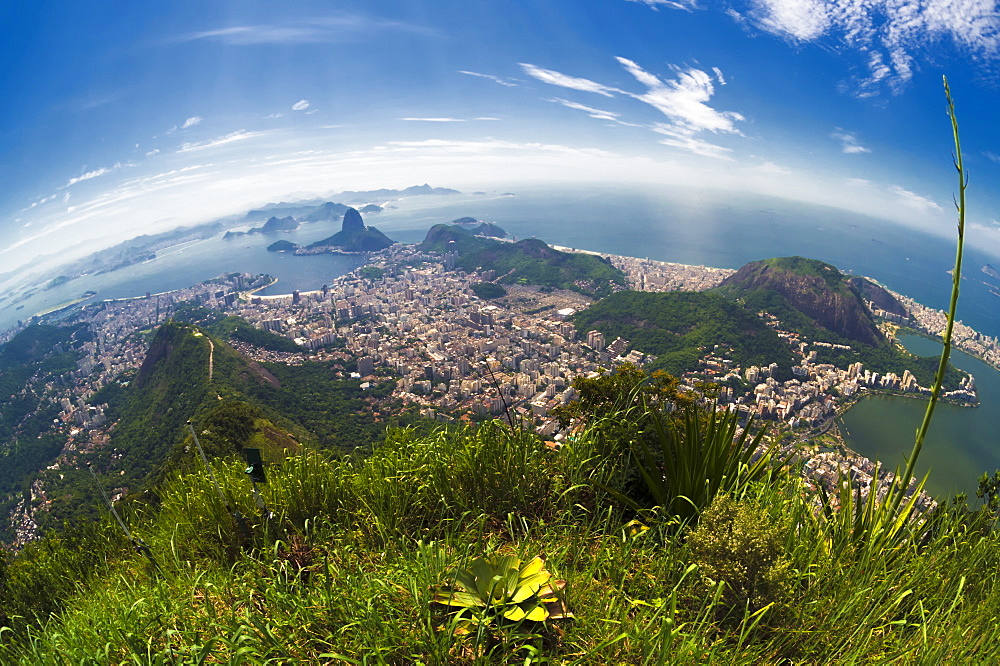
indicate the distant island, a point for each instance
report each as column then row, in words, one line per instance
column 273, row 215
column 353, row 237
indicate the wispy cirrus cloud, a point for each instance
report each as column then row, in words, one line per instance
column 684, row 100
column 599, row 114
column 239, row 135
column 192, row 121
column 332, row 28
column 670, row 4
column 445, row 119
column 435, row 120
column 849, row 143
column 565, row 81
column 89, row 175
column 496, row 79
column 914, row 200
column 300, row 105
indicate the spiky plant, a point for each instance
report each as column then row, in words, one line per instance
column 493, row 591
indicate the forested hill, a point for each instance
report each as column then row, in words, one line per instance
column 272, row 406
column 173, row 386
column 529, row 261
column 678, row 326
column 808, row 296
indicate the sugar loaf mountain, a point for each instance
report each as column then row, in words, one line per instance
column 353, row 236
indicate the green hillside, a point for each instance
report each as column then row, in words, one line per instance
column 677, row 327
column 821, row 304
column 359, row 553
column 529, row 261
column 279, row 406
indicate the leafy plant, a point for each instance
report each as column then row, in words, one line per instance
column 493, row 590
column 741, row 546
column 694, row 457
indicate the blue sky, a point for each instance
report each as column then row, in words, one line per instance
column 133, row 117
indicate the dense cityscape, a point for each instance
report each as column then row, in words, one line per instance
column 411, row 319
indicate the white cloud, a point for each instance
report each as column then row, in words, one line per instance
column 799, row 19
column 435, row 120
column 993, row 157
column 683, row 100
column 914, row 200
column 332, row 28
column 771, row 167
column 154, row 151
column 686, row 141
column 88, row 176
column 599, row 114
column 849, row 142
column 888, row 33
column 239, row 135
column 191, row 122
column 300, row 105
column 271, row 116
column 670, row 4
column 719, row 76
column 496, row 79
column 590, row 111
column 565, row 81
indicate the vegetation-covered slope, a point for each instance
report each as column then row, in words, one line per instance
column 348, row 567
column 677, row 327
column 529, row 261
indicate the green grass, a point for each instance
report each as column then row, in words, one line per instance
column 346, row 570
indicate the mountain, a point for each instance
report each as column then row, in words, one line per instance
column 367, row 196
column 172, row 386
column 352, row 222
column 271, row 226
column 878, row 295
column 489, row 229
column 354, row 236
column 530, row 261
column 803, row 293
column 282, row 246
column 326, row 212
column 275, row 224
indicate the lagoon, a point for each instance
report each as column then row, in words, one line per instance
column 962, row 442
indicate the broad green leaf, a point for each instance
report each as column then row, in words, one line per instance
column 456, row 598
column 533, row 567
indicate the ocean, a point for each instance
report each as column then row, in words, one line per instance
column 679, row 225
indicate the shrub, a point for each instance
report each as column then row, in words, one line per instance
column 741, row 546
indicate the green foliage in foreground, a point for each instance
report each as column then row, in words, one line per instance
column 346, row 570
